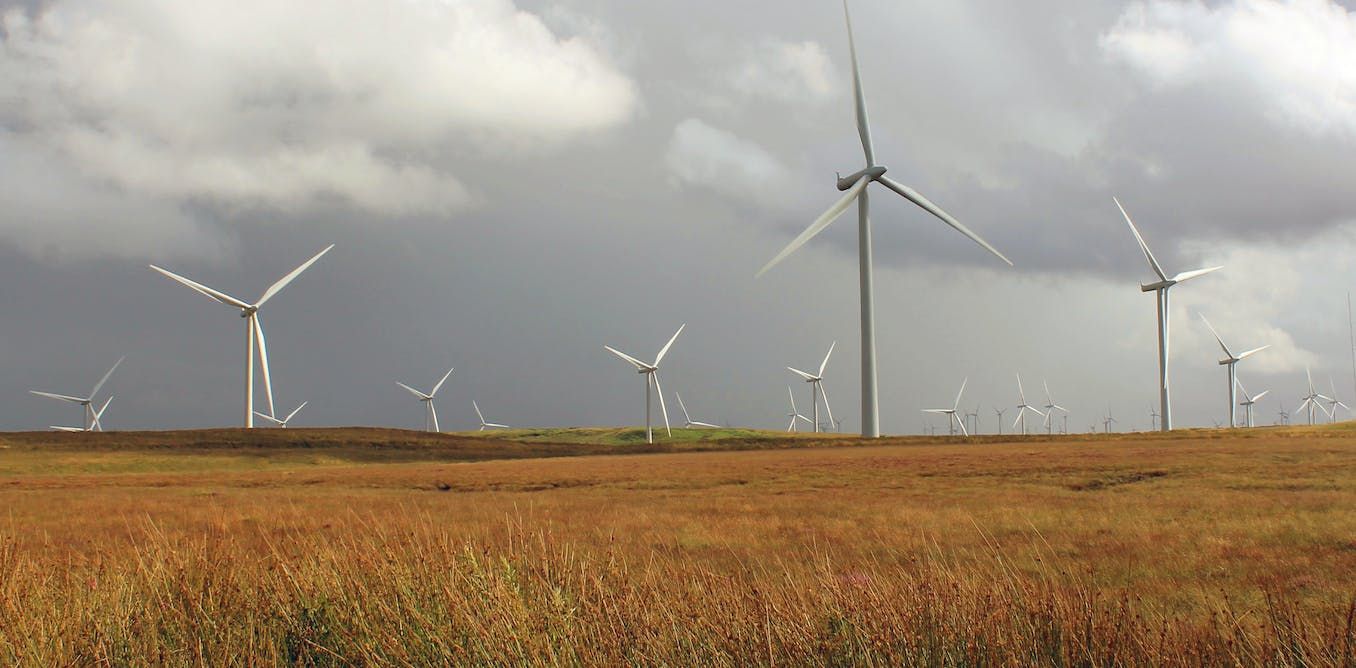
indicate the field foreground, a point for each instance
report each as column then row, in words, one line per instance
column 337, row 547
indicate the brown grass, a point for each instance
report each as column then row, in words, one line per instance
column 393, row 548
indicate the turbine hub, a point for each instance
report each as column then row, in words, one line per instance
column 873, row 173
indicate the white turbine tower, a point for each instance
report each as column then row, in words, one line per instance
column 86, row 402
column 282, row 424
column 816, row 381
column 794, row 414
column 430, row 413
column 1022, row 407
column 99, row 414
column 1050, row 408
column 1311, row 400
column 688, row 422
column 1231, row 361
column 651, row 373
column 1333, row 403
column 1248, row 402
column 1160, row 288
column 254, row 332
column 950, row 413
column 483, row 424
column 855, row 185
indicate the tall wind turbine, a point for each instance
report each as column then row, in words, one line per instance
column 1333, row 403
column 483, row 424
column 651, row 373
column 254, row 330
column 816, row 381
column 430, row 413
column 1160, row 288
column 282, row 424
column 86, row 402
column 1231, row 361
column 855, row 187
column 1050, row 408
column 688, row 422
column 1108, row 420
column 1248, row 402
column 952, row 418
column 1022, row 407
column 794, row 414
column 1311, row 400
column 98, row 415
column 1000, row 412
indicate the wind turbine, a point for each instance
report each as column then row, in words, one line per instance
column 651, row 373
column 282, row 424
column 794, row 414
column 86, row 402
column 1231, row 361
column 952, row 420
column 1050, row 408
column 855, row 186
column 1333, row 403
column 688, row 422
column 1000, row 412
column 254, row 332
column 483, row 424
column 1108, row 420
column 1248, row 402
column 1022, row 407
column 816, row 381
column 430, row 413
column 973, row 419
column 1311, row 400
column 97, row 415
column 1160, row 288
column 1153, row 419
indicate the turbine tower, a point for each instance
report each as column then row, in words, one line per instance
column 1333, row 403
column 85, row 402
column 282, row 424
column 1050, row 408
column 1000, row 412
column 816, row 381
column 688, row 422
column 483, row 424
column 1311, row 400
column 1160, row 289
column 855, row 186
column 254, row 331
column 1248, row 402
column 1231, row 361
column 794, row 414
column 430, row 413
column 1108, row 420
column 1022, row 407
column 953, row 420
column 651, row 373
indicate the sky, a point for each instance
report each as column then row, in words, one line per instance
column 513, row 184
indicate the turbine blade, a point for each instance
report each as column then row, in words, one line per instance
column 413, row 391
column 827, row 409
column 939, row 411
column 478, row 413
column 859, row 97
column 637, row 363
column 964, row 431
column 282, row 282
column 263, row 360
column 686, row 418
column 203, row 289
column 62, row 397
column 820, row 223
column 1020, row 394
column 106, row 376
column 1252, row 352
column 791, row 394
column 825, row 363
column 1258, row 397
column 706, row 424
column 660, row 391
column 1217, row 338
column 958, row 394
column 294, row 412
column 665, row 350
column 1188, row 275
column 917, row 198
column 439, row 386
column 800, row 373
column 1148, row 254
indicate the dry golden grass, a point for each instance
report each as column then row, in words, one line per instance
column 336, row 547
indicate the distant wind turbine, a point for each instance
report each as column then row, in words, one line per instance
column 254, row 328
column 1108, row 420
column 855, row 186
column 1000, row 412
column 483, row 424
column 86, row 402
column 1022, row 407
column 1311, row 400
column 1333, row 403
column 97, row 416
column 1231, row 361
column 1050, row 408
column 688, row 422
column 1248, row 402
column 794, row 414
column 953, row 420
column 816, row 381
column 1160, row 288
column 430, row 413
column 651, row 373
column 282, row 424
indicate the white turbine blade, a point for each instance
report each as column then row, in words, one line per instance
column 1059, row 407
column 1252, row 352
column 805, row 419
column 413, row 391
column 791, row 394
column 1148, row 255
column 1034, row 410
column 637, row 363
column 79, row 430
column 964, row 431
column 665, row 350
column 263, row 361
column 958, row 394
column 800, row 373
column 1188, row 275
column 706, row 424
column 825, row 363
column 294, row 412
column 106, row 376
column 1259, row 397
column 660, row 391
column 1217, row 337
column 820, row 223
column 203, row 289
column 433, row 413
column 1020, row 393
column 62, row 397
column 1018, row 420
column 1309, row 374
column 859, row 97
column 270, row 418
column 439, row 386
column 497, row 425
column 478, row 413
column 927, row 205
column 282, row 282
column 100, row 413
column 823, row 393
column 937, row 410
column 687, row 419
column 97, row 415
column 1048, row 399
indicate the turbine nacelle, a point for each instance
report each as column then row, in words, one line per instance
column 872, row 173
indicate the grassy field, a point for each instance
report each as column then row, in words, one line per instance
column 370, row 546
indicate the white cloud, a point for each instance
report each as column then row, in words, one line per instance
column 1297, row 58
column 292, row 106
column 785, row 71
column 701, row 155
